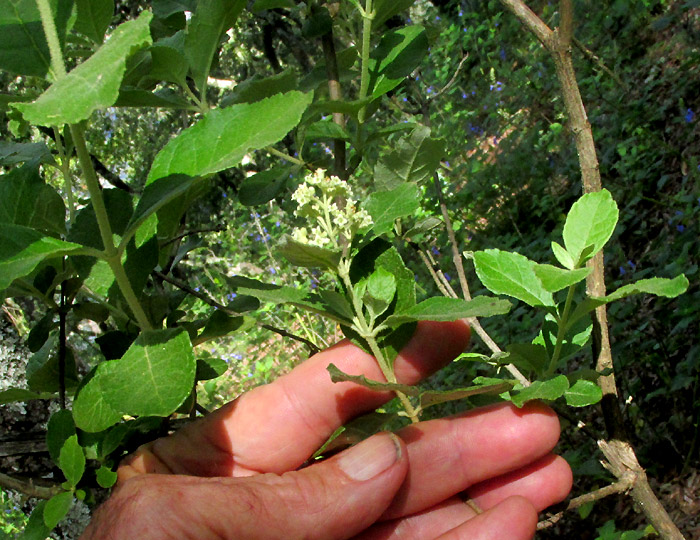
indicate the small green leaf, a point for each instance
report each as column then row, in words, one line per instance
column 206, row 27
column 223, row 136
column 504, row 272
column 326, row 129
column 590, row 222
column 11, row 395
column 583, row 393
column 555, row 279
column 94, row 17
column 210, row 368
column 535, row 355
column 43, row 369
column 220, row 324
column 56, row 508
column 563, row 256
column 36, row 529
column 338, row 376
column 308, row 256
column 168, row 60
column 386, row 207
column 153, row 378
column 380, row 290
column 92, row 85
column 430, row 398
column 72, row 460
column 414, row 160
column 355, row 431
column 549, row 390
column 90, row 410
column 385, row 9
column 106, row 477
column 60, row 428
column 398, row 53
column 440, row 308
column 257, row 88
column 264, row 186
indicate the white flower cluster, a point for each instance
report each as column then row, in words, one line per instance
column 318, row 198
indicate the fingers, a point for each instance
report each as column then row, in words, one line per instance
column 514, row 519
column 543, row 483
column 337, row 498
column 449, row 455
column 275, row 428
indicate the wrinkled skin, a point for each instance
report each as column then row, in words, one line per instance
column 236, row 473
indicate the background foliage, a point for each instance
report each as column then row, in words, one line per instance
column 485, row 99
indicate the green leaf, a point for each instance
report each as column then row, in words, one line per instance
column 155, row 196
column 210, row 368
column 590, row 222
column 583, row 393
column 72, row 460
column 56, row 508
column 398, row 53
column 308, row 256
column 386, row 207
column 36, row 529
column 441, row 308
column 669, row 288
column 166, row 99
column 549, row 390
column 204, row 32
column 85, row 230
column 504, row 272
column 257, row 88
column 26, row 200
column 23, row 46
column 60, row 428
column 12, row 153
column 534, row 355
column 91, row 411
column 381, row 288
column 168, row 59
column 355, row 431
column 106, row 477
column 385, row 9
column 92, row 85
column 431, row 397
column 264, row 186
column 563, row 256
column 261, row 5
column 43, row 370
column 153, row 378
column 414, row 160
column 337, row 304
column 220, row 324
column 555, row 279
column 20, row 394
column 94, row 17
column 338, row 376
column 165, row 8
column 221, row 139
column 326, row 129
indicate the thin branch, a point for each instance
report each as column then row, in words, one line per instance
column 566, row 23
column 191, row 233
column 29, row 486
column 452, row 79
column 620, row 486
column 213, row 303
column 531, row 21
column 598, row 62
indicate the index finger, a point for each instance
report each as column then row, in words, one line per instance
column 276, row 427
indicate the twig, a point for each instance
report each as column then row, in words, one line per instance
column 29, row 487
column 452, row 79
column 213, row 303
column 597, row 61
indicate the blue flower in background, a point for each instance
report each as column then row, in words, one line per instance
column 632, row 265
column 447, row 276
column 502, row 53
column 277, row 223
column 464, row 96
column 258, row 238
column 680, row 228
column 497, row 87
column 273, row 271
column 238, row 356
column 434, row 250
column 622, row 271
column 689, row 115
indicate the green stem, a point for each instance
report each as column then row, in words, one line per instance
column 367, row 16
column 65, row 171
column 284, row 156
column 111, row 255
column 563, row 320
column 57, row 65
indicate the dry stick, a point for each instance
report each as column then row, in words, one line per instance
column 213, row 303
column 29, row 487
column 622, row 460
column 459, row 265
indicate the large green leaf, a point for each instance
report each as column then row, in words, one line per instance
column 94, row 17
column 549, row 390
column 92, row 85
column 153, row 378
column 59, row 429
column 36, row 529
column 441, row 308
column 22, row 249
column 168, row 59
column 257, row 88
column 386, row 207
column 414, row 160
column 308, row 256
column 26, row 200
column 505, row 272
column 23, row 46
column 12, row 153
column 399, row 52
column 263, row 186
column 204, row 31
column 590, row 222
column 223, row 137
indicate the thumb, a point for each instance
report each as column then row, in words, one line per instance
column 335, row 499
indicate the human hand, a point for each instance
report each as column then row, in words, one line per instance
column 234, row 473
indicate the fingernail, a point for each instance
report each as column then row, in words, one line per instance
column 371, row 457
